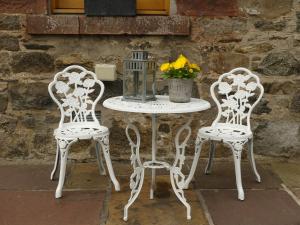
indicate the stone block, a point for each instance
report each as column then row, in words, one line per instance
column 267, row 25
column 35, row 46
column 8, row 42
column 139, row 25
column 165, row 208
column 3, row 101
column 55, row 24
column 28, row 120
column 4, row 57
column 41, row 6
column 207, row 8
column 86, row 176
column 23, row 6
column 289, row 172
column 66, row 60
column 8, row 123
column 148, row 25
column 255, row 48
column 42, row 139
column 262, row 107
column 298, row 21
column 29, row 95
column 295, row 104
column 223, row 177
column 9, row 22
column 164, row 128
column 26, row 177
column 277, row 138
column 224, row 62
column 281, row 87
column 266, row 8
column 220, row 26
column 52, row 118
column 40, row 207
column 268, row 207
column 32, row 62
column 279, row 64
column 15, row 149
column 5, row 70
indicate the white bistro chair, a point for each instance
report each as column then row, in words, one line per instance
column 76, row 91
column 238, row 92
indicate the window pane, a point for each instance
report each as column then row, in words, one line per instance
column 150, row 4
column 69, row 4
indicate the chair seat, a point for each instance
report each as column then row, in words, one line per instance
column 86, row 130
column 225, row 132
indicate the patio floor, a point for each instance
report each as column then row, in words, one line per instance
column 27, row 196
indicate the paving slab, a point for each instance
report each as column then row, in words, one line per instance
column 297, row 193
column 289, row 172
column 122, row 168
column 261, row 207
column 26, row 177
column 223, row 177
column 41, row 208
column 165, row 208
column 86, row 176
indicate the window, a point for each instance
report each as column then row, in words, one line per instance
column 156, row 7
column 68, row 6
column 160, row 7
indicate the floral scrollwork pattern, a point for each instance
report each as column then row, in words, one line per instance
column 237, row 147
column 104, row 140
column 73, row 91
column 178, row 181
column 236, row 91
column 137, row 177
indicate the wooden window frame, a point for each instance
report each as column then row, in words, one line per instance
column 56, row 10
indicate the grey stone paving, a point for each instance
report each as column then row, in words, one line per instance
column 27, row 197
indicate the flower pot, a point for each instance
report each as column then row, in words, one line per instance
column 180, row 90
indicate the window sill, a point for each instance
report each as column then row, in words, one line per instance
column 80, row 24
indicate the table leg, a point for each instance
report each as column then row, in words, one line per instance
column 154, row 146
column 137, row 177
column 176, row 176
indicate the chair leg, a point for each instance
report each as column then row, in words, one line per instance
column 237, row 165
column 64, row 146
column 198, row 145
column 104, row 142
column 212, row 151
column 101, row 167
column 252, row 160
column 55, row 163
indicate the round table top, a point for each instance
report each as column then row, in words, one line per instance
column 160, row 105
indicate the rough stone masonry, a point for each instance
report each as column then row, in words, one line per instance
column 262, row 35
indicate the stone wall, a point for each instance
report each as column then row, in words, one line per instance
column 261, row 35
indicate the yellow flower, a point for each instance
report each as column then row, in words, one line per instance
column 164, row 67
column 191, row 70
column 180, row 62
column 195, row 66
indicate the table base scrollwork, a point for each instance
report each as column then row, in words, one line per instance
column 176, row 176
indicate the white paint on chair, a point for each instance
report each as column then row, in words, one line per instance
column 74, row 90
column 239, row 91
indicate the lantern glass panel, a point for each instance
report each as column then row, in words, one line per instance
column 133, row 82
column 139, row 77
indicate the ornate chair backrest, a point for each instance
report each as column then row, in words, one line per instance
column 236, row 93
column 76, row 91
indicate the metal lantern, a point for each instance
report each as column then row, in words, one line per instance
column 139, row 77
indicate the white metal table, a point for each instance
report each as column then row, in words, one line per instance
column 161, row 105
